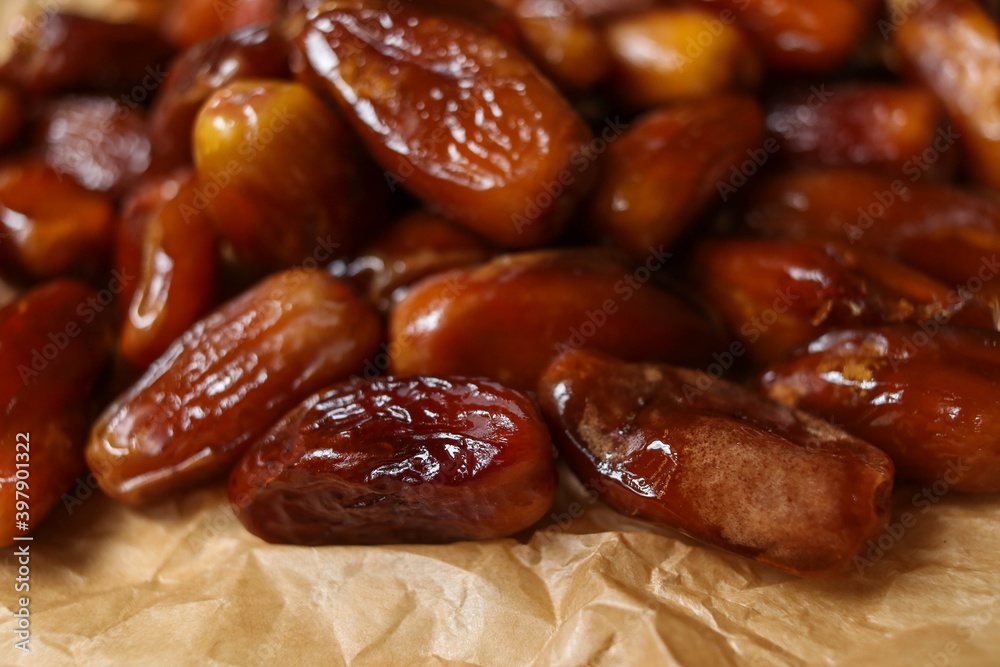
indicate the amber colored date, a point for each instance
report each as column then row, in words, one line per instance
column 927, row 396
column 49, row 225
column 892, row 128
column 801, row 35
column 283, row 176
column 100, row 142
column 188, row 23
column 416, row 247
column 778, row 295
column 953, row 47
column 718, row 462
column 175, row 282
column 507, row 319
column 676, row 54
column 54, row 344
column 666, row 168
column 11, row 114
column 68, row 53
column 456, row 116
column 228, row 379
column 251, row 53
column 399, row 460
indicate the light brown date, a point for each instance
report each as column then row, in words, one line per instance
column 665, row 170
column 927, row 396
column 456, row 116
column 408, row 460
column 228, row 379
column 55, row 341
column 507, row 319
column 718, row 462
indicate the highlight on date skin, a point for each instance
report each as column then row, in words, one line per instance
column 724, row 465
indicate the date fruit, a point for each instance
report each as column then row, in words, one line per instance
column 399, row 460
column 717, row 462
column 283, row 176
column 226, row 380
column 927, row 396
column 666, row 168
column 506, row 320
column 55, row 341
column 11, row 115
column 49, row 225
column 658, row 59
column 455, row 115
column 176, row 277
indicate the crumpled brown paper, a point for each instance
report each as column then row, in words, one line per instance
column 184, row 584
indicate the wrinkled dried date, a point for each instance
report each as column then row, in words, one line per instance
column 927, row 396
column 54, row 343
column 227, row 380
column 720, row 463
column 456, row 116
column 411, row 460
column 507, row 319
column 666, row 169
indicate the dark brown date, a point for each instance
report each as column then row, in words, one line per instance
column 228, row 379
column 68, row 53
column 927, row 396
column 666, row 168
column 49, row 225
column 11, row 115
column 252, row 53
column 507, row 319
column 188, row 23
column 387, row 461
column 892, row 128
column 103, row 144
column 717, row 462
column 175, row 284
column 54, row 344
column 953, row 47
column 455, row 115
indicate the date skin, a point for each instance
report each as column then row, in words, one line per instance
column 175, row 279
column 507, row 319
column 54, row 346
column 720, row 463
column 953, row 47
column 658, row 59
column 878, row 126
column 102, row 143
column 399, row 461
column 226, row 380
column 49, row 225
column 252, row 53
column 417, row 246
column 665, row 170
column 11, row 115
column 801, row 35
column 778, row 295
column 188, row 23
column 455, row 115
column 71, row 53
column 283, row 176
column 928, row 397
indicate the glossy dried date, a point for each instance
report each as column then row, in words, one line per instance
column 927, row 396
column 176, row 277
column 717, row 462
column 386, row 461
column 507, row 319
column 253, row 53
column 456, row 116
column 49, row 225
column 283, row 176
column 677, row 54
column 953, row 47
column 55, row 341
column 226, row 381
column 666, row 168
